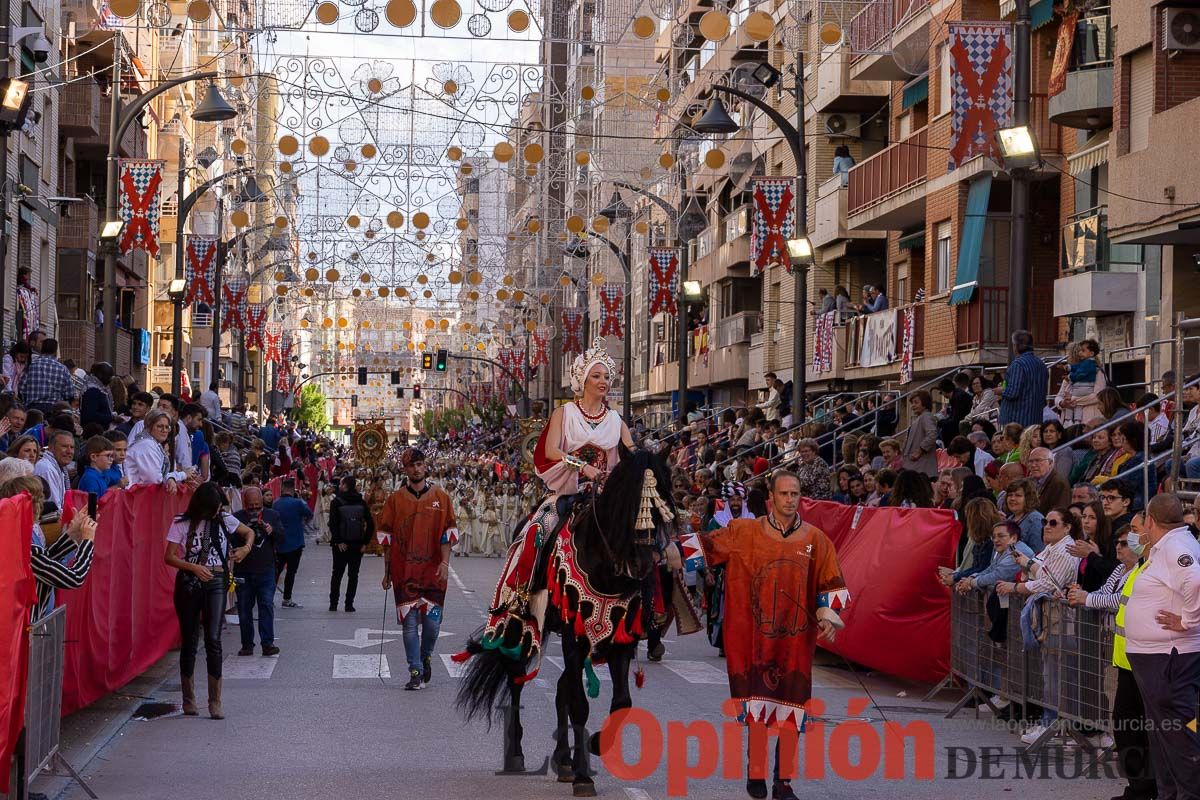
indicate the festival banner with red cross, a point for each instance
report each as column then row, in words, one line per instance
column 541, row 346
column 572, row 328
column 233, row 297
column 981, row 89
column 272, row 333
column 140, row 204
column 612, row 310
column 773, row 224
column 256, row 320
column 664, row 279
column 287, row 346
column 200, row 269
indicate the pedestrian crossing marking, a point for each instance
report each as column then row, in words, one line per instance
column 633, row 793
column 356, row 665
column 248, row 667
column 455, row 669
column 697, row 672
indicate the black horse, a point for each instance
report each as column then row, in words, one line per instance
column 593, row 573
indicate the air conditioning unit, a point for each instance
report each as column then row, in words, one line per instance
column 1181, row 29
column 842, row 124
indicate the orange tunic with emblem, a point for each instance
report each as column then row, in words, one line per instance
column 775, row 588
column 418, row 524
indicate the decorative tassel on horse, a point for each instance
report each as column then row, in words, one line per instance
column 650, row 501
column 593, row 680
column 621, row 634
column 461, row 658
column 639, row 677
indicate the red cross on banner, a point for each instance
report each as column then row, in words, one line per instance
column 981, row 97
column 139, row 204
column 272, row 332
column 572, row 327
column 201, row 270
column 774, row 220
column 234, row 299
column 664, row 279
column 256, row 318
column 612, row 297
column 541, row 341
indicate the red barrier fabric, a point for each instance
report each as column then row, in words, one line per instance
column 122, row 619
column 275, row 487
column 898, row 621
column 18, row 596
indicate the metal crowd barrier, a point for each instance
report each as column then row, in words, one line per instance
column 1070, row 672
column 43, row 703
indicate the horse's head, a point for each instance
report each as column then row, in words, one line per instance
column 632, row 515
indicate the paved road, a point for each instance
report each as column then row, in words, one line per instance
column 318, row 721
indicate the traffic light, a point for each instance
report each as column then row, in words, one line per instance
column 442, row 355
column 362, row 376
column 399, row 392
column 354, row 401
column 395, row 377
column 417, row 392
column 427, row 361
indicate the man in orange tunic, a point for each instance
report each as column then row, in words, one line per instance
column 417, row 530
column 783, row 587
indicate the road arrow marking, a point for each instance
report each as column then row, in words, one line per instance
column 362, row 638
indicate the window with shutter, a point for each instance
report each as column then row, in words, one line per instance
column 1141, row 99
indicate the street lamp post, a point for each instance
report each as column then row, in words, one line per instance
column 213, row 109
column 717, row 121
column 224, row 247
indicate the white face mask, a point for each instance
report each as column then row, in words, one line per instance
column 1135, row 542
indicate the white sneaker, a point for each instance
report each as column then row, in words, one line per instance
column 1033, row 734
column 998, row 702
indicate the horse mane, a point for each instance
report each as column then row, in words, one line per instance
column 614, row 513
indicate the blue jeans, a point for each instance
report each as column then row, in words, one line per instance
column 1191, row 468
column 256, row 588
column 419, row 649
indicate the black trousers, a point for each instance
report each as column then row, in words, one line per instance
column 348, row 561
column 1169, row 684
column 1129, row 733
column 291, row 561
column 200, row 607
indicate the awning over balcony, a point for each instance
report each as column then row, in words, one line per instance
column 970, row 243
column 915, row 92
column 1093, row 153
column 1040, row 11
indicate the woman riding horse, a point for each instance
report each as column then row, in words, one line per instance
column 578, row 566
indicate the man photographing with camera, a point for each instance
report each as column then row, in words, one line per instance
column 255, row 574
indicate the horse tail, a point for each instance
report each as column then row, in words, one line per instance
column 486, row 674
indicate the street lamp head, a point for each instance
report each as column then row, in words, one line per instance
column 716, row 120
column 616, row 208
column 1018, row 146
column 766, row 74
column 692, row 290
column 177, row 289
column 111, row 230
column 800, row 250
column 213, row 108
column 692, row 221
column 250, row 192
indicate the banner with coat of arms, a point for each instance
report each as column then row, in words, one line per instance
column 981, row 89
column 823, row 342
column 234, row 301
column 200, row 269
column 572, row 328
column 140, row 204
column 612, row 310
column 664, row 279
column 774, row 223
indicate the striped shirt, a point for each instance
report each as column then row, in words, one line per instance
column 1025, row 385
column 51, row 573
column 1109, row 595
column 1056, row 568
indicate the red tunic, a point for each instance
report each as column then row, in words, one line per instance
column 775, row 588
column 419, row 525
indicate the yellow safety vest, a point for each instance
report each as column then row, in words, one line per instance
column 1119, row 659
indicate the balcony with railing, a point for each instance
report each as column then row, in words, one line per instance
column 876, row 340
column 831, row 208
column 79, row 112
column 886, row 38
column 885, row 191
column 1087, row 100
column 77, row 340
column 79, row 230
column 837, row 91
column 1099, row 277
column 983, row 323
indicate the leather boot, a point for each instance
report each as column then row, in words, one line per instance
column 189, row 695
column 214, row 698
